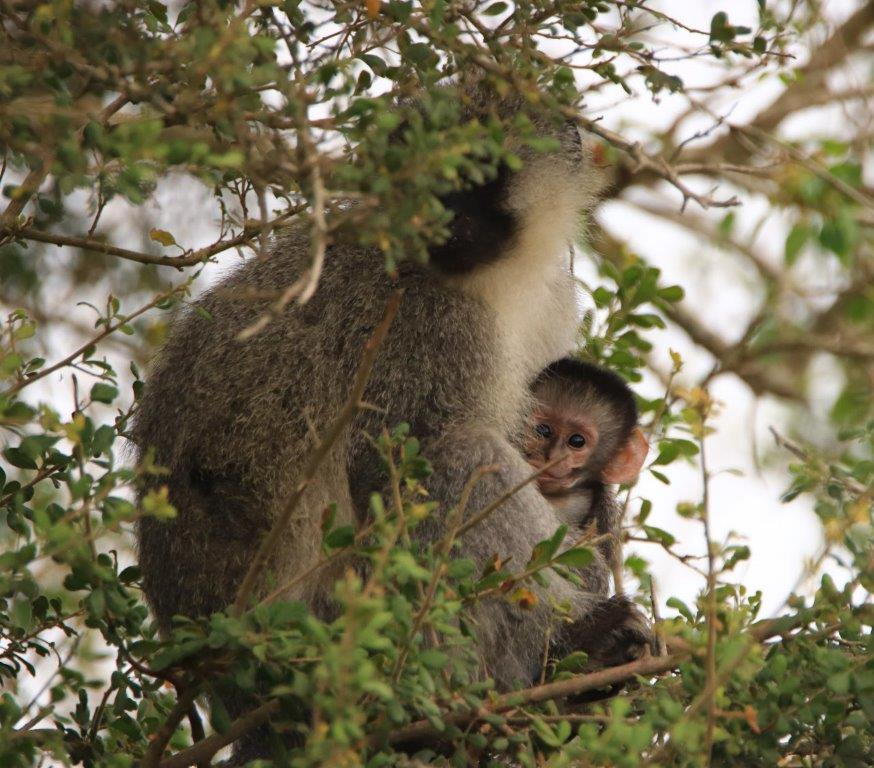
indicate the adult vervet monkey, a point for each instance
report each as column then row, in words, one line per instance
column 229, row 419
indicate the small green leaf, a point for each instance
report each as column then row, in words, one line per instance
column 22, row 614
column 574, row 662
column 681, row 608
column 433, row 658
column 839, row 683
column 672, row 293
column 340, row 537
column 461, row 569
column 544, row 550
column 660, row 476
column 495, row 9
column 579, row 557
column 102, row 440
column 10, row 363
column 373, row 61
column 795, row 240
column 103, row 393
column 660, row 535
column 18, row 458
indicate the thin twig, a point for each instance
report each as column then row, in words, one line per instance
column 652, row 163
column 502, row 499
column 184, row 260
column 109, row 329
column 849, row 483
column 661, row 645
column 443, row 553
column 710, row 660
column 33, row 181
column 603, row 678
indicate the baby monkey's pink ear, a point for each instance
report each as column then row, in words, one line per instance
column 625, row 466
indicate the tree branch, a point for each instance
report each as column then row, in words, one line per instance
column 185, row 260
column 168, row 727
column 203, row 751
column 109, row 329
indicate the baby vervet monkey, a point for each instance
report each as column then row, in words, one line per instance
column 585, row 420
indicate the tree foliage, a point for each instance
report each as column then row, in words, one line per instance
column 270, row 112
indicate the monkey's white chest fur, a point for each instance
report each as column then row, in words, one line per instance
column 531, row 293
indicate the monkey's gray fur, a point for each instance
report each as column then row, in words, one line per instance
column 229, row 419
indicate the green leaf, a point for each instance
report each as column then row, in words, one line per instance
column 681, row 608
column 660, row 476
column 579, row 557
column 645, row 509
column 718, row 27
column 848, row 172
column 672, row 293
column 550, row 737
column 22, row 614
column 795, row 240
column 839, row 236
column 660, row 535
column 433, row 658
column 839, row 683
column 376, row 63
column 18, row 458
column 738, row 553
column 492, row 580
column 24, row 331
column 574, row 662
column 602, row 297
column 10, row 363
column 340, row 537
column 103, row 393
column 219, row 718
column 381, row 690
column 544, row 550
column 495, row 9
column 102, row 440
column 668, row 451
column 461, row 569
column 420, row 53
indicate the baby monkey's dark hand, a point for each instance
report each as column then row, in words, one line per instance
column 614, row 633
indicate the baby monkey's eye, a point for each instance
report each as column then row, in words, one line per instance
column 576, row 441
column 543, row 430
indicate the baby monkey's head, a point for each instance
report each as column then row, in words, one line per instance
column 585, row 420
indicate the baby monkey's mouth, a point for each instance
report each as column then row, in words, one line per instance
column 548, row 479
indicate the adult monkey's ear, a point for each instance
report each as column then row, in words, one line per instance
column 625, row 466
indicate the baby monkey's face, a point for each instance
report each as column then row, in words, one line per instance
column 568, row 439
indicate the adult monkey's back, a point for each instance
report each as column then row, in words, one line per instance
column 230, row 419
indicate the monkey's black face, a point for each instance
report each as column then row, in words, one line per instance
column 482, row 228
column 569, row 440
